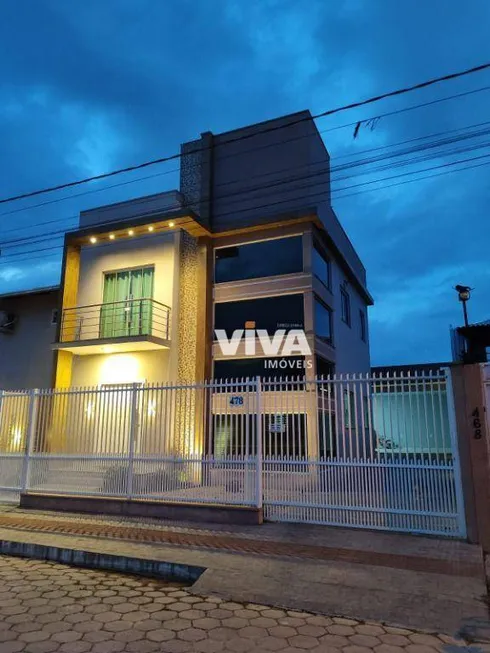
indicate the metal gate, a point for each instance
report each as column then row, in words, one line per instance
column 363, row 451
column 355, row 450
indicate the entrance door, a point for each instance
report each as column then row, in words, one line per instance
column 127, row 306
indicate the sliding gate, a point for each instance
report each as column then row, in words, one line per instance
column 374, row 452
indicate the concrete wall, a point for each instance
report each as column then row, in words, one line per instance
column 149, row 205
column 26, row 358
column 161, row 251
column 157, row 250
column 131, row 367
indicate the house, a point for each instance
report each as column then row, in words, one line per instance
column 28, row 323
column 250, row 241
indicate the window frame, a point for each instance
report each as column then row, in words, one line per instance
column 301, row 270
column 321, row 252
column 345, row 302
column 316, row 299
column 363, row 324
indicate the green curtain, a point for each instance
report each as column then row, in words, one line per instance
column 128, row 311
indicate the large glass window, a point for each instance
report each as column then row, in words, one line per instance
column 262, row 259
column 321, row 267
column 269, row 313
column 323, row 321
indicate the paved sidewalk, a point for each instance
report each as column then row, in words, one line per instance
column 46, row 607
column 401, row 580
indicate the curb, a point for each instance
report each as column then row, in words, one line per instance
column 122, row 564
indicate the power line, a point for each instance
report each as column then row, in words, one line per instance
column 353, row 164
column 320, row 194
column 272, row 128
column 241, row 153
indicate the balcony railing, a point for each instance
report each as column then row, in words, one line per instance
column 123, row 319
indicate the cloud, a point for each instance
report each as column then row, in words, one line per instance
column 101, row 85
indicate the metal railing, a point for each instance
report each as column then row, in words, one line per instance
column 356, row 450
column 131, row 317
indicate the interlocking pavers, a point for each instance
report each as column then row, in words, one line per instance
column 47, row 608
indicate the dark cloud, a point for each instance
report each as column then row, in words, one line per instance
column 91, row 86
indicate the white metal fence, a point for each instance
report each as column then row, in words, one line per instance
column 364, row 451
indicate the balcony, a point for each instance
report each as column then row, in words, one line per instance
column 129, row 325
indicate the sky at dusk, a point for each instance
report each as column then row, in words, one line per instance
column 87, row 87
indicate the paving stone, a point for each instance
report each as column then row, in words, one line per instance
column 192, row 614
column 235, row 622
column 282, row 631
column 365, row 640
column 209, row 646
column 397, row 640
column 66, row 636
column 160, row 635
column 341, row 629
column 127, row 636
column 388, row 648
column 253, row 632
column 294, row 622
column 206, row 623
column 271, row 643
column 427, row 640
column 303, row 641
column 369, row 629
column 107, row 617
column 319, row 620
column 192, row 634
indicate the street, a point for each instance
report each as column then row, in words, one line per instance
column 47, row 607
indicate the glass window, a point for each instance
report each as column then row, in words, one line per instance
column 362, row 323
column 323, row 321
column 345, row 306
column 262, row 259
column 321, row 267
column 269, row 313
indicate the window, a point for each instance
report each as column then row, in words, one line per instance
column 269, row 313
column 321, row 267
column 124, row 311
column 362, row 324
column 323, row 321
column 54, row 317
column 324, row 367
column 345, row 306
column 262, row 259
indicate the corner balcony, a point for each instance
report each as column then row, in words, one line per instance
column 129, row 325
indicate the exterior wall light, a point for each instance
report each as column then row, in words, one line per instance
column 150, row 228
column 130, row 232
column 93, row 240
column 171, row 224
column 111, row 236
column 464, row 294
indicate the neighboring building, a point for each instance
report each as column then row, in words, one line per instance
column 27, row 329
column 250, row 241
column 471, row 344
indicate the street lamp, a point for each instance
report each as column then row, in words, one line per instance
column 464, row 293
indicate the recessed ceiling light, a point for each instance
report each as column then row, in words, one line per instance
column 93, row 240
column 130, row 232
column 150, row 228
column 111, row 236
column 171, row 224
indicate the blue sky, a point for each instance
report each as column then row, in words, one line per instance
column 88, row 87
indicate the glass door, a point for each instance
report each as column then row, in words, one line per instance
column 127, row 306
